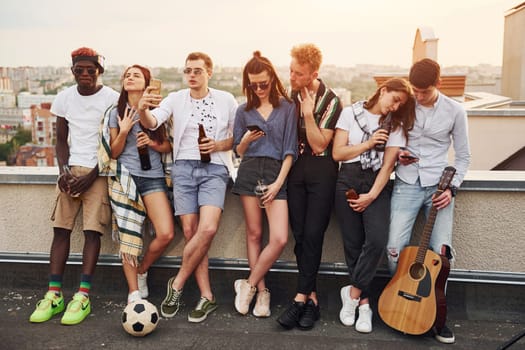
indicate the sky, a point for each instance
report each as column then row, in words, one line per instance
column 161, row 33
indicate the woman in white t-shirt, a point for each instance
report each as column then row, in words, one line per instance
column 362, row 197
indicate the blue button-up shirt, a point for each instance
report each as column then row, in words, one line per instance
column 434, row 130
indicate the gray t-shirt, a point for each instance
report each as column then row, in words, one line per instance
column 130, row 155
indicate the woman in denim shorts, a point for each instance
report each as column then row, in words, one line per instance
column 265, row 136
column 126, row 135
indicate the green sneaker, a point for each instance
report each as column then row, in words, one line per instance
column 171, row 303
column 46, row 308
column 201, row 311
column 77, row 310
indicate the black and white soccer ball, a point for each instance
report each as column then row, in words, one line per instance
column 140, row 318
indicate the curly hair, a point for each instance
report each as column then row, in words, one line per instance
column 308, row 54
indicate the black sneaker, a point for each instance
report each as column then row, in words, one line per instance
column 291, row 316
column 445, row 335
column 310, row 314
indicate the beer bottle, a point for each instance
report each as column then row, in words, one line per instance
column 385, row 125
column 145, row 163
column 205, row 157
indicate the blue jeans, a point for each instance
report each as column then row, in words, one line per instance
column 406, row 202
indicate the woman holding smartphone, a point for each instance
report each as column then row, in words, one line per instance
column 126, row 137
column 265, row 136
column 362, row 197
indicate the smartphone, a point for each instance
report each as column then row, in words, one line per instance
column 254, row 128
column 406, row 156
column 351, row 194
column 156, row 84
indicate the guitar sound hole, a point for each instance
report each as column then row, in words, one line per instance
column 417, row 271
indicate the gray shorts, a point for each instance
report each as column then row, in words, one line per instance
column 196, row 184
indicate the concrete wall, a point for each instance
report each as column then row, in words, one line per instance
column 488, row 233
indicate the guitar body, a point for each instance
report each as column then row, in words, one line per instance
column 408, row 302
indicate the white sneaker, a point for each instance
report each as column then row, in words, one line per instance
column 347, row 313
column 134, row 296
column 364, row 321
column 142, row 279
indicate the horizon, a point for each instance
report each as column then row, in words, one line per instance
column 378, row 32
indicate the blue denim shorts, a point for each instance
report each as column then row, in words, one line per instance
column 253, row 169
column 196, row 184
column 147, row 185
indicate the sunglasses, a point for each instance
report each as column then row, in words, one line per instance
column 263, row 86
column 196, row 71
column 80, row 70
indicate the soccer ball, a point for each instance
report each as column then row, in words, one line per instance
column 140, row 318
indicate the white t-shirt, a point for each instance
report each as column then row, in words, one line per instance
column 355, row 134
column 83, row 114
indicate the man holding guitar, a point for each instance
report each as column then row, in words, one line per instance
column 440, row 121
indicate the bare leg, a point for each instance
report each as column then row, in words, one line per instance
column 194, row 258
column 159, row 212
column 91, row 252
column 277, row 213
column 253, row 217
column 59, row 251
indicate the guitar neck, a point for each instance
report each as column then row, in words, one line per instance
column 427, row 233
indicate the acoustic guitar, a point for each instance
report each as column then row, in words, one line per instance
column 414, row 299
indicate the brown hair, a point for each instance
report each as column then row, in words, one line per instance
column 424, row 73
column 405, row 116
column 256, row 65
column 193, row 56
column 158, row 134
column 308, row 54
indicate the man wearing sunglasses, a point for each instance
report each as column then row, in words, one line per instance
column 199, row 188
column 311, row 182
column 78, row 111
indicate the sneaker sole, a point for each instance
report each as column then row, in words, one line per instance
column 445, row 340
column 202, row 318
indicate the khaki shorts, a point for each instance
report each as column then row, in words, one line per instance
column 96, row 211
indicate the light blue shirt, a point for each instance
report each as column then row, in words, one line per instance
column 435, row 129
column 280, row 129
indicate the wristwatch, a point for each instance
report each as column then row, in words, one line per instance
column 453, row 190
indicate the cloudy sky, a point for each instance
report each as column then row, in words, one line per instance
column 163, row 32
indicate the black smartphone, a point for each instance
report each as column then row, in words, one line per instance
column 254, row 128
column 407, row 156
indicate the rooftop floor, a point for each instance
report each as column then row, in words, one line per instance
column 483, row 316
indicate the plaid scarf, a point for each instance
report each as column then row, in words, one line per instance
column 129, row 212
column 369, row 159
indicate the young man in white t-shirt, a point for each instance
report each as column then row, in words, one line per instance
column 79, row 110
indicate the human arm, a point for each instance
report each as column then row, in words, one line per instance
column 62, row 154
column 147, row 101
column 275, row 187
column 382, row 178
column 318, row 138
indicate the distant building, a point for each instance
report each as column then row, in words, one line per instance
column 11, row 117
column 26, row 100
column 513, row 68
column 43, row 123
column 33, row 155
column 7, row 100
column 425, row 44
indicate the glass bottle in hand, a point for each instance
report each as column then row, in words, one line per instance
column 145, row 163
column 387, row 126
column 205, row 157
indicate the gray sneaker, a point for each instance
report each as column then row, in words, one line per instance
column 171, row 303
column 201, row 311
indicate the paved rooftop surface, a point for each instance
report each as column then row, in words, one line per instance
column 482, row 316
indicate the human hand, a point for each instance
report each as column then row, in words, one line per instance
column 442, row 200
column 270, row 194
column 207, row 145
column 149, row 99
column 307, row 102
column 380, row 136
column 126, row 122
column 361, row 203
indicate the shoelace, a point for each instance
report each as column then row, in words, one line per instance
column 174, row 298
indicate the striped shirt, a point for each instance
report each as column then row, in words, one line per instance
column 326, row 113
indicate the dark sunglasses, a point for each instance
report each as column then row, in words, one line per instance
column 263, row 86
column 80, row 70
column 196, row 71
